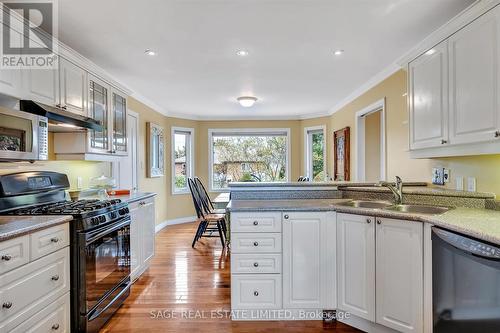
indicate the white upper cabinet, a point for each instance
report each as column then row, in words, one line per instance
column 474, row 74
column 399, row 275
column 99, row 92
column 119, row 122
column 356, row 265
column 73, row 87
column 41, row 85
column 453, row 93
column 428, row 98
column 309, row 260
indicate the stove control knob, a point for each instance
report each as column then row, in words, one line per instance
column 102, row 218
column 94, row 221
column 113, row 215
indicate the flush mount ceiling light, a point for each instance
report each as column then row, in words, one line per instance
column 338, row 52
column 247, row 101
column 430, row 52
column 242, row 53
column 150, row 52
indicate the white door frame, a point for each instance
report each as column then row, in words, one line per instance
column 359, row 145
column 115, row 166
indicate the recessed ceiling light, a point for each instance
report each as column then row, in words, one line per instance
column 430, row 52
column 242, row 53
column 338, row 52
column 247, row 101
column 150, row 52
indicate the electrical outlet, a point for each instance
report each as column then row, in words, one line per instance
column 79, row 182
column 438, row 176
column 459, row 183
column 471, row 184
column 446, row 175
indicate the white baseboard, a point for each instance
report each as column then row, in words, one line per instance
column 175, row 221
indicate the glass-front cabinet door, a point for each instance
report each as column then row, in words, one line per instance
column 119, row 119
column 98, row 110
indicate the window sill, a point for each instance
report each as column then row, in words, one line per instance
column 181, row 192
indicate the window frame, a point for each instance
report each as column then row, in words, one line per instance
column 189, row 157
column 245, row 131
column 308, row 133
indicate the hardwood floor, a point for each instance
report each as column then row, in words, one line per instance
column 185, row 286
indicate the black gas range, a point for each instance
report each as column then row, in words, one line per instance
column 100, row 242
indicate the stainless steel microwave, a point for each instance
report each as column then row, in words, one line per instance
column 23, row 136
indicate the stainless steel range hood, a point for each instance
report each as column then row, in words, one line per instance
column 59, row 116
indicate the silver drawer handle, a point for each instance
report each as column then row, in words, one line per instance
column 255, row 243
column 286, row 217
column 55, row 277
column 255, row 222
column 6, row 257
column 255, row 264
column 379, row 222
column 368, row 221
column 55, row 327
column 256, row 293
column 54, row 240
column 7, row 305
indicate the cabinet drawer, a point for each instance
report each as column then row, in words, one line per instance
column 49, row 240
column 256, row 263
column 53, row 318
column 256, row 222
column 256, row 242
column 256, row 291
column 41, row 281
column 14, row 253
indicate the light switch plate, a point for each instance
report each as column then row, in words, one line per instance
column 79, row 182
column 446, row 175
column 471, row 184
column 459, row 183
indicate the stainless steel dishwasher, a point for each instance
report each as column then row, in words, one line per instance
column 465, row 283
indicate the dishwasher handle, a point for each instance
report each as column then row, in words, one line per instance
column 470, row 245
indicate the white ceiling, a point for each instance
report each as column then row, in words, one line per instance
column 290, row 68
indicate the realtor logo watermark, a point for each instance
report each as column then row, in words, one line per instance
column 29, row 33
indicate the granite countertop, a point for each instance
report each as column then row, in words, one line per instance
column 234, row 185
column 419, row 190
column 483, row 224
column 15, row 226
column 133, row 197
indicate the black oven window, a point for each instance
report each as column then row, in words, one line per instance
column 107, row 263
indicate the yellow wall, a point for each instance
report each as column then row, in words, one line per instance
column 372, row 146
column 168, row 206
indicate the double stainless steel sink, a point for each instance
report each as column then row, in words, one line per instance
column 389, row 206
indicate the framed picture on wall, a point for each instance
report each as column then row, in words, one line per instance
column 341, row 154
column 156, row 150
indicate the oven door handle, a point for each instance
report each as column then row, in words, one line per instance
column 95, row 313
column 92, row 237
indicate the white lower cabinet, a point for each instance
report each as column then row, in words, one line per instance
column 283, row 261
column 35, row 295
column 356, row 265
column 309, row 260
column 142, row 235
column 380, row 270
column 399, row 274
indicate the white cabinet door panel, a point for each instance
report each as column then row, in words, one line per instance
column 428, row 98
column 474, row 73
column 73, row 84
column 148, row 233
column 309, row 260
column 356, row 262
column 399, row 274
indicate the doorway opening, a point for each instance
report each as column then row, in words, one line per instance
column 370, row 143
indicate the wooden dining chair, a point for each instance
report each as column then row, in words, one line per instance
column 209, row 222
